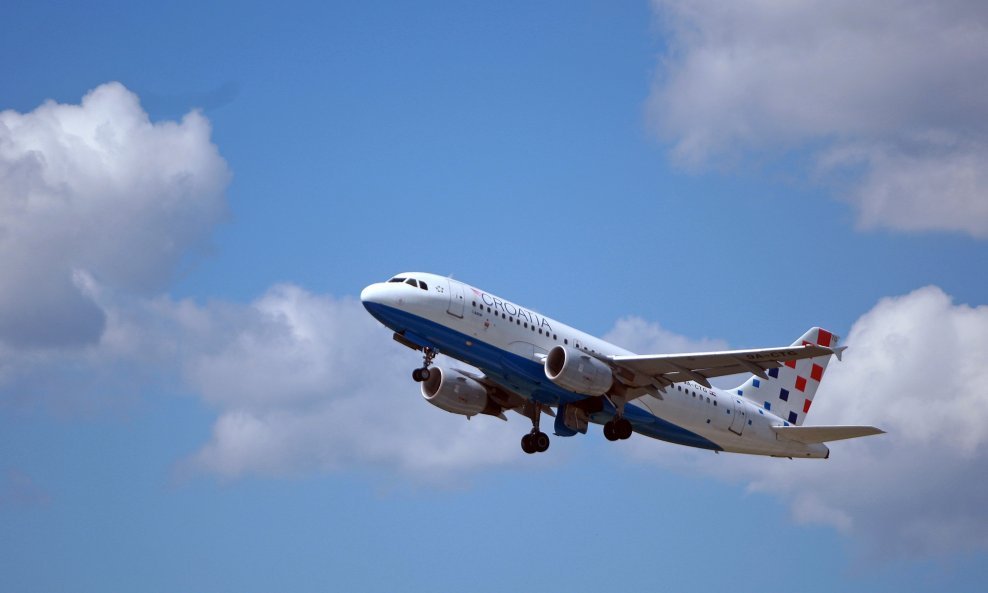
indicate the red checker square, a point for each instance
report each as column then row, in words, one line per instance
column 825, row 338
column 806, row 406
column 791, row 364
column 816, row 373
column 801, row 383
column 805, row 343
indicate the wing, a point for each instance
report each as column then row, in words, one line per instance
column 659, row 370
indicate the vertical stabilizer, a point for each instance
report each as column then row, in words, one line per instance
column 788, row 390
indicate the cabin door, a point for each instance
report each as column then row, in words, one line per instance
column 740, row 416
column 456, row 300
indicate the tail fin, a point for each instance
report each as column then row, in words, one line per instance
column 788, row 390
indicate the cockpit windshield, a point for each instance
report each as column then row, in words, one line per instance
column 410, row 281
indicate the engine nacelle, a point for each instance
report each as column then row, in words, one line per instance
column 454, row 392
column 577, row 371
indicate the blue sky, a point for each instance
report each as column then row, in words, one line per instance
column 191, row 398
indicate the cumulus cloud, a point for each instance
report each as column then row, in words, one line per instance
column 309, row 383
column 300, row 383
column 97, row 190
column 884, row 94
column 915, row 367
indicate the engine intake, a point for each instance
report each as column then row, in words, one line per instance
column 454, row 392
column 577, row 371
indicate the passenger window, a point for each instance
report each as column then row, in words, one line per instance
column 566, row 341
column 526, row 325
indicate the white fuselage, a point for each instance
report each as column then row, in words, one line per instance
column 509, row 343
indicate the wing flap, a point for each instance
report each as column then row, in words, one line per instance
column 824, row 434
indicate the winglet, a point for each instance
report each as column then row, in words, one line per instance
column 839, row 351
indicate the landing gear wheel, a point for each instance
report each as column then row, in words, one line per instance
column 535, row 442
column 541, row 441
column 623, row 428
column 618, row 429
column 527, row 445
column 422, row 374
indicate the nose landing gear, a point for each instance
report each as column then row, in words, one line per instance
column 422, row 374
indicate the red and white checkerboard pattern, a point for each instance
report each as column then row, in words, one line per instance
column 788, row 391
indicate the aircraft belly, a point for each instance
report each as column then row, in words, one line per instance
column 527, row 376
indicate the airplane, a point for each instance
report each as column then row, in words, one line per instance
column 526, row 362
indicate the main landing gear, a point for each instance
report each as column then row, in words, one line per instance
column 617, row 429
column 535, row 441
column 422, row 374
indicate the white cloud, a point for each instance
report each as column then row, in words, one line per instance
column 300, row 382
column 889, row 88
column 97, row 189
column 915, row 367
column 307, row 383
column 98, row 205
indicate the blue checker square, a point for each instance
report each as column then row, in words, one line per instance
column 768, row 405
column 740, row 392
column 792, row 417
column 774, row 373
column 757, row 383
column 784, row 395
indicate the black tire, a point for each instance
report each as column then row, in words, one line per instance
column 425, row 374
column 417, row 375
column 610, row 431
column 624, row 429
column 527, row 445
column 541, row 442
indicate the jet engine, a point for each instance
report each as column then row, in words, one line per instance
column 455, row 392
column 577, row 371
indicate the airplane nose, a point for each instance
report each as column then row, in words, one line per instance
column 370, row 294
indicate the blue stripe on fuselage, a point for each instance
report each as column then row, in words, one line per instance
column 522, row 375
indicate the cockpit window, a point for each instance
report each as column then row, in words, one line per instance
column 410, row 282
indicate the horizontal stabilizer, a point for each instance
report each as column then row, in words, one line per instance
column 824, row 434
